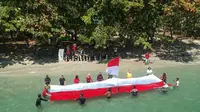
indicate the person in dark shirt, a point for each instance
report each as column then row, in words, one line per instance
column 109, row 93
column 134, row 91
column 81, row 100
column 164, row 89
column 100, row 77
column 38, row 101
column 47, row 80
column 110, row 76
column 62, row 80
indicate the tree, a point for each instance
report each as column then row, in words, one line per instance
column 30, row 17
column 96, row 21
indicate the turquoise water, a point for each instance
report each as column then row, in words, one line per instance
column 18, row 94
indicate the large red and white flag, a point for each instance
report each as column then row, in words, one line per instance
column 113, row 66
column 97, row 89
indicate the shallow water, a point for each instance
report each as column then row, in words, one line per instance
column 18, row 94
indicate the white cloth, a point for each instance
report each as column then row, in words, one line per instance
column 165, row 86
column 61, row 54
column 114, row 82
column 149, row 72
column 113, row 70
column 177, row 83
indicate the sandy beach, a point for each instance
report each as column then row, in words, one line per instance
column 79, row 67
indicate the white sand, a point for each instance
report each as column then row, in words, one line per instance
column 78, row 67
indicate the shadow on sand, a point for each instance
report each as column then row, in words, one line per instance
column 176, row 51
column 19, row 54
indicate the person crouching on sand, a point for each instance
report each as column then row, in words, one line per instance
column 134, row 91
column 109, row 93
column 88, row 78
column 76, row 80
column 81, row 99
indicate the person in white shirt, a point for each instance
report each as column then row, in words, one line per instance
column 177, row 82
column 149, row 71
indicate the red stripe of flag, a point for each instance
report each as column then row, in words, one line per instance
column 113, row 62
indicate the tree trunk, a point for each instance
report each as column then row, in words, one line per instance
column 4, row 39
column 12, row 37
column 75, row 34
column 27, row 43
column 171, row 32
column 151, row 40
column 164, row 31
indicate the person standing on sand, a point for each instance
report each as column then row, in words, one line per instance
column 76, row 80
column 67, row 53
column 147, row 56
column 47, row 80
column 88, row 78
column 149, row 71
column 62, row 80
column 100, row 77
column 129, row 74
column 74, row 49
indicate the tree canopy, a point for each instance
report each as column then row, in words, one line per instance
column 96, row 22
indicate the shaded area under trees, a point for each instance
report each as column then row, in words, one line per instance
column 100, row 24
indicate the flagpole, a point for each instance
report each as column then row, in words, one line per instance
column 113, row 68
column 117, row 84
column 118, row 79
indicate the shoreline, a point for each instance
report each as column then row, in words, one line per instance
column 82, row 67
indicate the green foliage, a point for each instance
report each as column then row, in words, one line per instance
column 97, row 21
column 142, row 40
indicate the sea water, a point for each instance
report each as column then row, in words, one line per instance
column 18, row 94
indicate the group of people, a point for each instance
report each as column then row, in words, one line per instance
column 70, row 52
column 76, row 80
column 62, row 81
column 164, row 89
column 88, row 79
column 134, row 92
column 129, row 74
